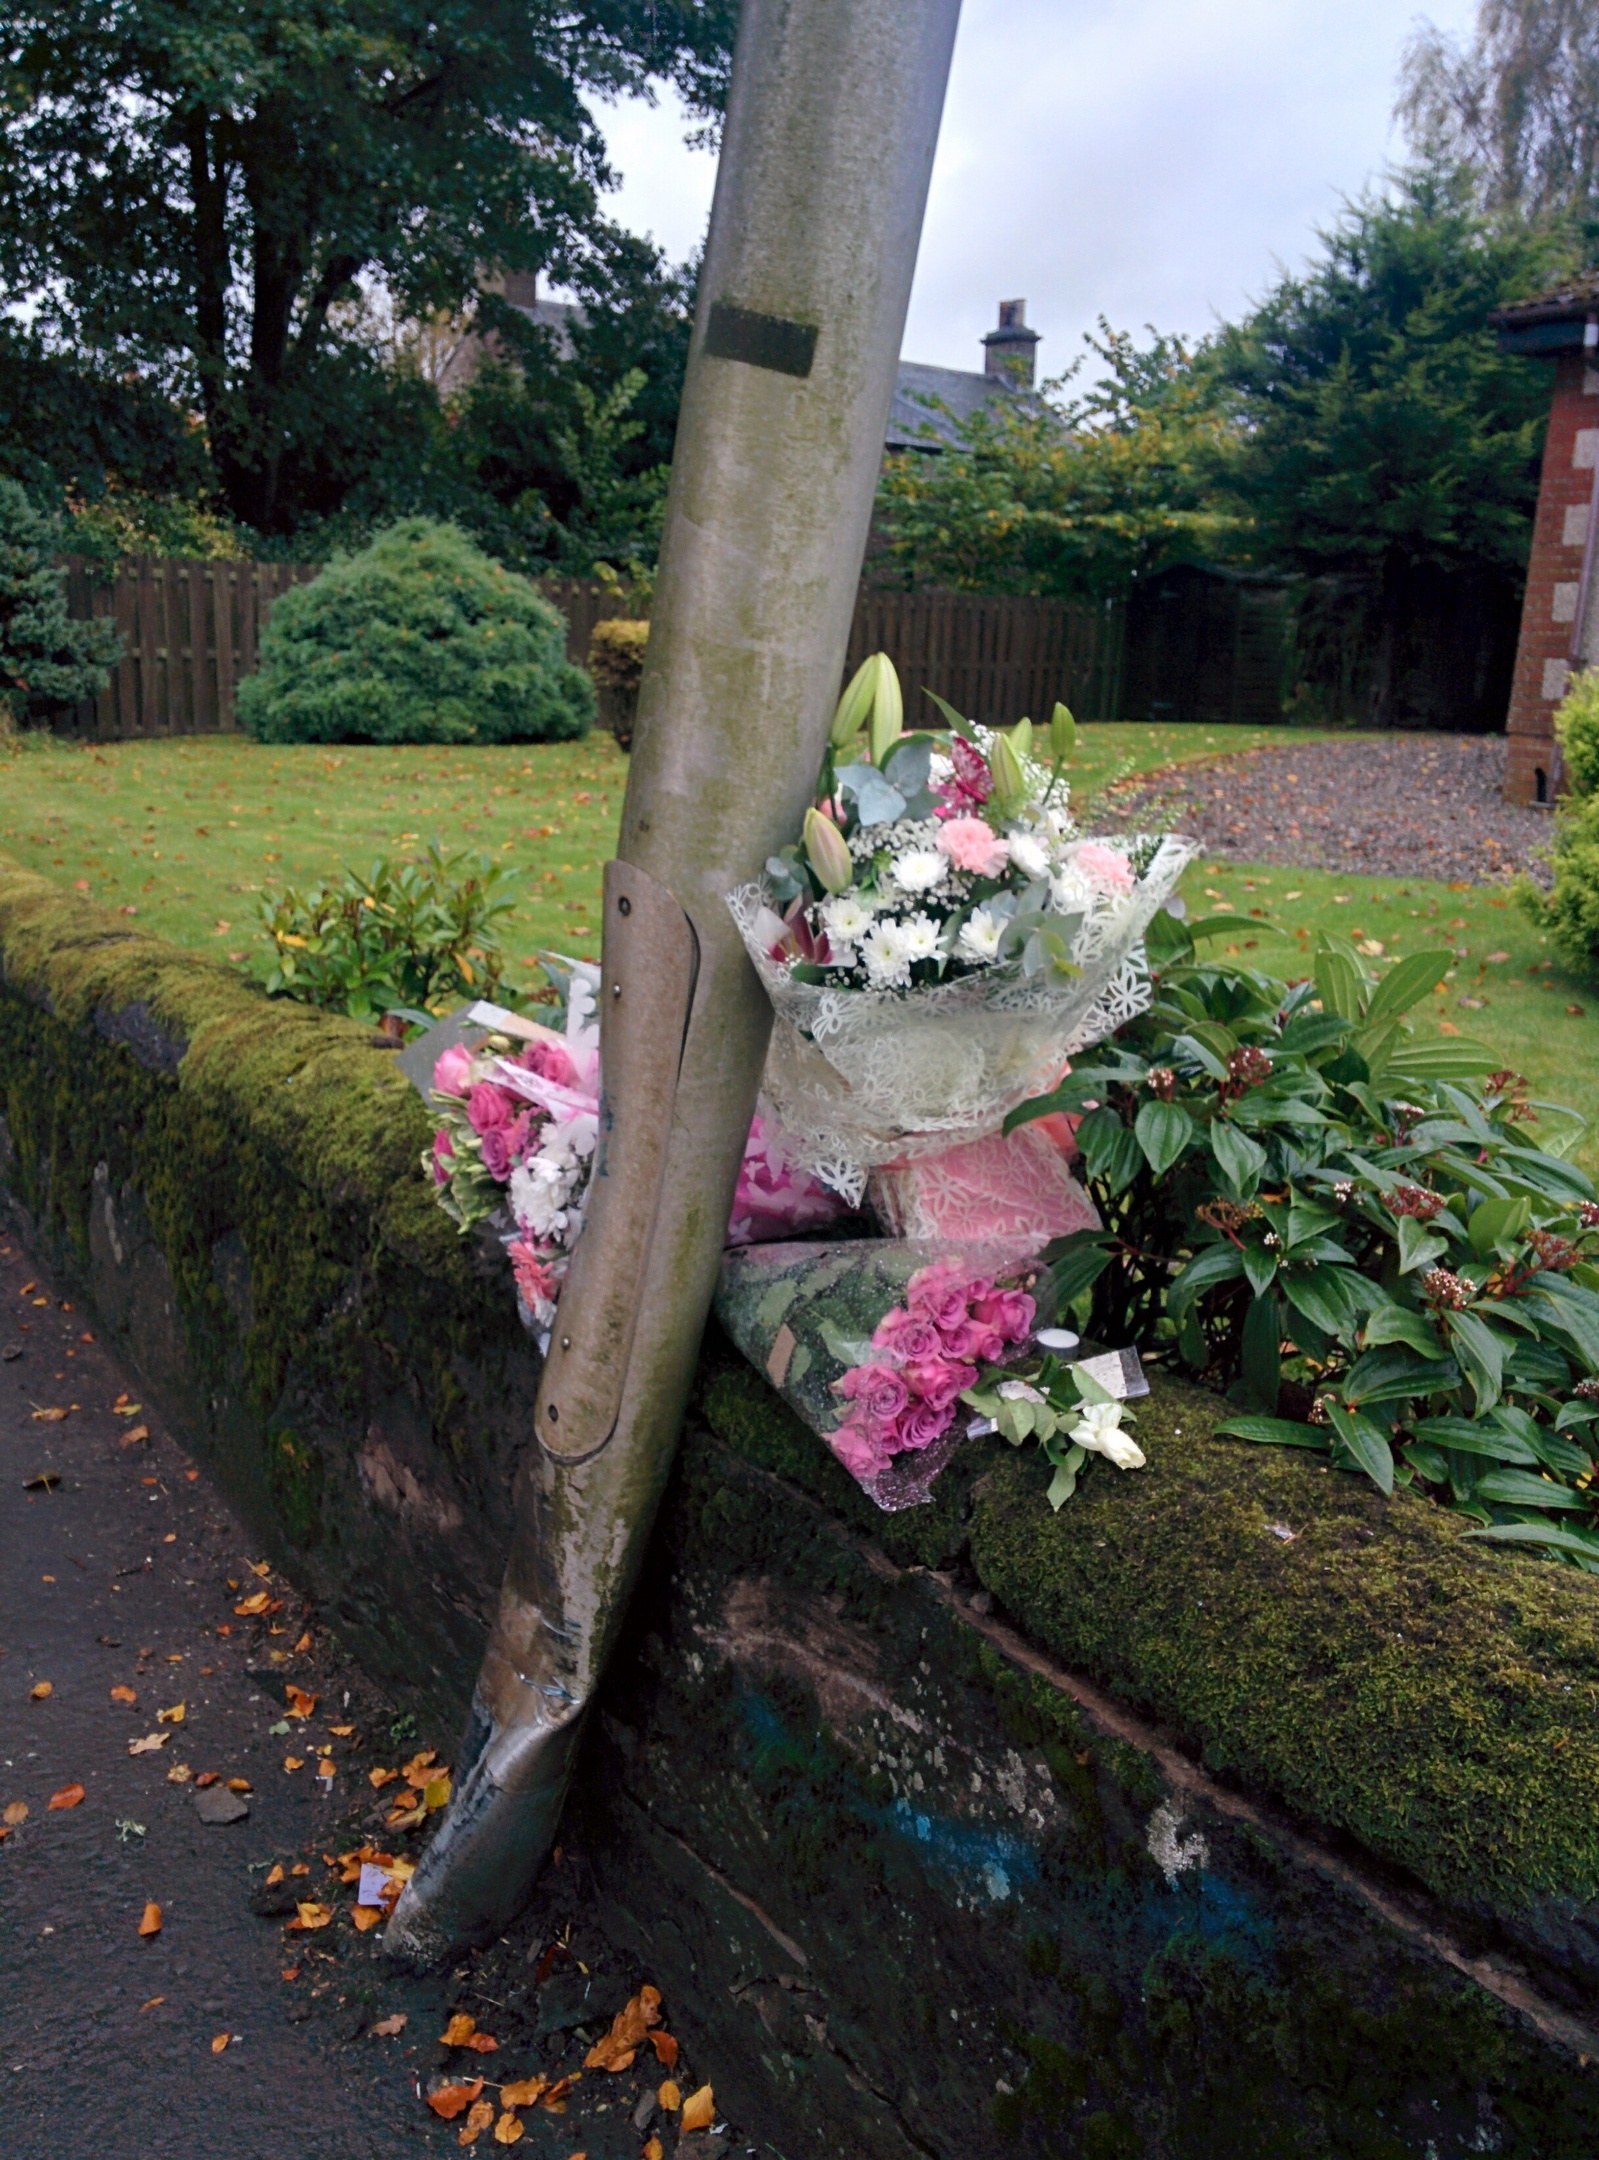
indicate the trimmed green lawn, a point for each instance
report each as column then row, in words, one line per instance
column 190, row 833
column 1504, row 985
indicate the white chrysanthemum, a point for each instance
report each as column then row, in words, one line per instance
column 846, row 918
column 566, row 1142
column 940, row 769
column 918, row 870
column 539, row 1190
column 1070, row 892
column 980, row 936
column 919, row 938
column 1029, row 856
column 887, row 962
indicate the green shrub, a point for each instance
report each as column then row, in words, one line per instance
column 1569, row 911
column 1332, row 1219
column 47, row 661
column 419, row 638
column 409, row 937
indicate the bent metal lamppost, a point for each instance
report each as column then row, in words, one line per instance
column 831, row 126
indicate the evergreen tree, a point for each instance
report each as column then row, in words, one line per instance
column 47, row 661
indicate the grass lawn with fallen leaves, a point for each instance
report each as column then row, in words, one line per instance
column 188, row 833
column 1505, row 986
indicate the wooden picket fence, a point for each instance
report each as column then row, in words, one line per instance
column 191, row 633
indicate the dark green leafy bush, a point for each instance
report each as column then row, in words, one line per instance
column 1369, row 1240
column 409, row 937
column 419, row 638
column 47, row 661
column 1570, row 912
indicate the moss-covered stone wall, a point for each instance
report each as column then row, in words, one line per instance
column 236, row 1184
column 1232, row 1810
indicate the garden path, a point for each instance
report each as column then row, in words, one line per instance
column 1399, row 805
column 124, row 1569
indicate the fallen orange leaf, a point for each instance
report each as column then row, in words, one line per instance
column 174, row 1716
column 299, row 1868
column 386, row 2028
column 655, row 2150
column 219, row 2043
column 508, row 2129
column 300, row 1704
column 257, row 1602
column 482, row 2044
column 294, row 1762
column 377, row 1779
column 154, row 2003
column 68, row 1796
column 276, row 1875
column 133, row 1435
column 670, row 2095
column 555, row 2098
column 42, row 1690
column 151, row 1923
column 341, row 1732
column 289, row 1972
column 665, row 2049
column 616, row 2051
column 699, row 2109
column 240, row 1784
column 309, row 1914
column 366, row 1916
column 452, row 2100
column 207, row 1779
column 263, row 1568
column 477, row 2121
column 522, row 2092
column 436, row 1793
column 303, row 1644
column 16, row 1812
column 48, row 1417
column 123, row 1694
column 149, row 1744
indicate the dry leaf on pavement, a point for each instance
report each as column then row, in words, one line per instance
column 478, row 2119
column 124, row 1695
column 294, row 1762
column 628, row 2028
column 257, row 1602
column 386, row 2028
column 299, row 1703
column 48, row 1417
column 452, row 2100
column 699, row 2109
column 377, row 1779
column 523, row 2092
column 16, row 1812
column 670, row 2095
column 309, row 1914
column 149, row 1744
column 366, row 1916
column 41, row 1691
column 665, row 2049
column 276, row 1875
column 68, row 1796
column 174, row 1716
column 151, row 1923
column 508, row 2129
column 655, row 2150
column 263, row 1568
column 133, row 1435
column 179, row 1774
column 219, row 2043
column 240, row 1784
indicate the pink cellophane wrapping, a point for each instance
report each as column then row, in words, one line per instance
column 1012, row 1193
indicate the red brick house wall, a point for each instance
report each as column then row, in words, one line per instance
column 1554, row 574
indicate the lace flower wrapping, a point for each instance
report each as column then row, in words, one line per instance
column 858, row 1078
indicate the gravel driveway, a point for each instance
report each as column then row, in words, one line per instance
column 1400, row 805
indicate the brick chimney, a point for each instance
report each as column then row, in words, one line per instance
column 1010, row 351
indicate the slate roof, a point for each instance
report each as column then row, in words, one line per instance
column 963, row 392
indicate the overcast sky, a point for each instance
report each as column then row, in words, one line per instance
column 1149, row 160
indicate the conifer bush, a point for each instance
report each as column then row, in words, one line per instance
column 47, row 661
column 419, row 638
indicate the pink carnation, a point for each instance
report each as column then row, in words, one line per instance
column 536, row 1277
column 453, row 1071
column 1010, row 1312
column 971, row 843
column 938, row 1381
column 862, row 1448
column 877, row 1391
column 919, row 1426
column 488, row 1108
column 1104, row 866
column 902, row 1335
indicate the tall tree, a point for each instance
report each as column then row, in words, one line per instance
column 1388, row 454
column 1519, row 104
column 200, row 189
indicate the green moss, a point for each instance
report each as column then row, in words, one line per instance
column 1375, row 1671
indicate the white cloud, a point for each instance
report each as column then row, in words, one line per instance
column 1151, row 160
